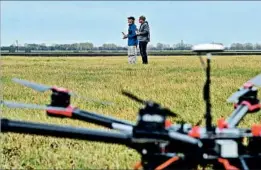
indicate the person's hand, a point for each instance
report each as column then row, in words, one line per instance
column 137, row 33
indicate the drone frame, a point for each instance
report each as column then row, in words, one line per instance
column 169, row 145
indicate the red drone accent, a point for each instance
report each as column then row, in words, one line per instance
column 226, row 164
column 248, row 85
column 68, row 112
column 250, row 106
column 256, row 130
column 167, row 163
column 195, row 132
column 222, row 123
column 60, row 89
column 167, row 123
column 235, row 105
column 137, row 166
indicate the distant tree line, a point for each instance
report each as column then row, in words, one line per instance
column 87, row 46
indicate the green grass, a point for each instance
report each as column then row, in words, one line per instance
column 176, row 82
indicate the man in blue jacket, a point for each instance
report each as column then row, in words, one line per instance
column 132, row 41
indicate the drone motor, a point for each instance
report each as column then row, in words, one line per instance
column 150, row 117
column 60, row 98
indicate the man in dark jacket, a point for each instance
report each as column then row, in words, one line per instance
column 143, row 38
column 132, row 41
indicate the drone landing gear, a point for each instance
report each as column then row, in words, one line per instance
column 160, row 162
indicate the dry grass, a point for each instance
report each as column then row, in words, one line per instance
column 176, row 82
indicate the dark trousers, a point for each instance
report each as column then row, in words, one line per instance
column 143, row 51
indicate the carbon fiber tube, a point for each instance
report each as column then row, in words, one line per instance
column 98, row 119
column 237, row 116
column 185, row 138
column 64, row 132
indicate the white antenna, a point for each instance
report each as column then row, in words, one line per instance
column 208, row 48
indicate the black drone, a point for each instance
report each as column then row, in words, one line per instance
column 162, row 145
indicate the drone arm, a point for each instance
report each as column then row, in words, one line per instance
column 185, row 138
column 86, row 116
column 64, row 132
column 237, row 116
column 98, row 118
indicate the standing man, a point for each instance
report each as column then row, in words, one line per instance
column 132, row 41
column 143, row 38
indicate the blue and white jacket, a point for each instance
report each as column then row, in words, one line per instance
column 132, row 37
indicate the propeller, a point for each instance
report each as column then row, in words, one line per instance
column 150, row 105
column 35, row 86
column 133, row 97
column 42, row 88
column 256, row 81
column 11, row 104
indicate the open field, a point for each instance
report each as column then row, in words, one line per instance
column 123, row 53
column 176, row 82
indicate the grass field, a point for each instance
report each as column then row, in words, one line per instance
column 176, row 82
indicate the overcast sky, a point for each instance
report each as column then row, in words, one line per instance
column 102, row 22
